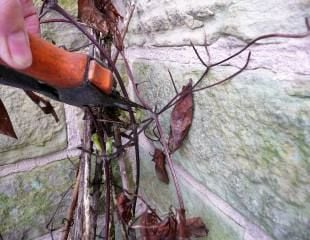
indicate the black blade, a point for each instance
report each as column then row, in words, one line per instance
column 84, row 95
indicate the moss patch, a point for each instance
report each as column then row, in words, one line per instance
column 28, row 200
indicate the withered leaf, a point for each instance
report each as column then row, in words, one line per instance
column 167, row 229
column 6, row 127
column 43, row 104
column 89, row 14
column 124, row 206
column 181, row 118
column 102, row 16
column 195, row 227
column 160, row 168
column 107, row 7
column 171, row 227
column 148, row 220
column 153, row 229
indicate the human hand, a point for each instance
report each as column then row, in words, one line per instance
column 17, row 17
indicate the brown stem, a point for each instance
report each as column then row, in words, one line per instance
column 125, row 30
column 102, row 51
column 55, row 20
column 121, row 160
column 106, row 171
column 173, row 82
column 160, row 130
column 273, row 35
column 131, row 78
column 228, row 78
column 170, row 162
column 70, row 212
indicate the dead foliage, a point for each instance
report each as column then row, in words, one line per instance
column 159, row 159
column 170, row 228
column 102, row 16
column 6, row 126
column 43, row 104
column 195, row 227
column 181, row 118
column 124, row 207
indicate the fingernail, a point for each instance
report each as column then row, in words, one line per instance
column 20, row 49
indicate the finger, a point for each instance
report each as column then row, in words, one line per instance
column 14, row 42
column 31, row 17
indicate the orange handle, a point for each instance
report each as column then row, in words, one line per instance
column 62, row 69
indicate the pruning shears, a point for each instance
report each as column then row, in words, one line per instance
column 73, row 78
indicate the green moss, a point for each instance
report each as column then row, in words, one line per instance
column 69, row 5
column 29, row 199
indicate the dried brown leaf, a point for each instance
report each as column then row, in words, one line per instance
column 153, row 229
column 195, row 227
column 6, row 127
column 102, row 16
column 167, row 229
column 181, row 118
column 107, row 7
column 124, row 206
column 160, row 168
column 148, row 220
column 43, row 104
column 89, row 14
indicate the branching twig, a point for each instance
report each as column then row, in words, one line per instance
column 273, row 35
column 228, row 78
column 173, row 82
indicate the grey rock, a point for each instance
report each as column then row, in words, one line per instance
column 38, row 133
column 29, row 200
column 162, row 196
column 249, row 143
column 163, row 23
column 193, row 23
column 63, row 34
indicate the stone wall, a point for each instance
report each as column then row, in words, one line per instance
column 244, row 167
column 38, row 169
column 245, row 164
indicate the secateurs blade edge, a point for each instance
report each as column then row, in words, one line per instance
column 72, row 78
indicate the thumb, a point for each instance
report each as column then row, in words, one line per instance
column 14, row 42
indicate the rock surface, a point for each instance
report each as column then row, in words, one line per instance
column 38, row 134
column 175, row 23
column 250, row 139
column 162, row 196
column 249, row 143
column 29, row 200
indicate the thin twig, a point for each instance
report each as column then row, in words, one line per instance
column 173, row 82
column 51, row 221
column 70, row 212
column 125, row 30
column 198, row 55
column 207, row 49
column 107, row 174
column 55, row 20
column 228, row 78
column 131, row 78
column 170, row 162
column 160, row 130
column 273, row 35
